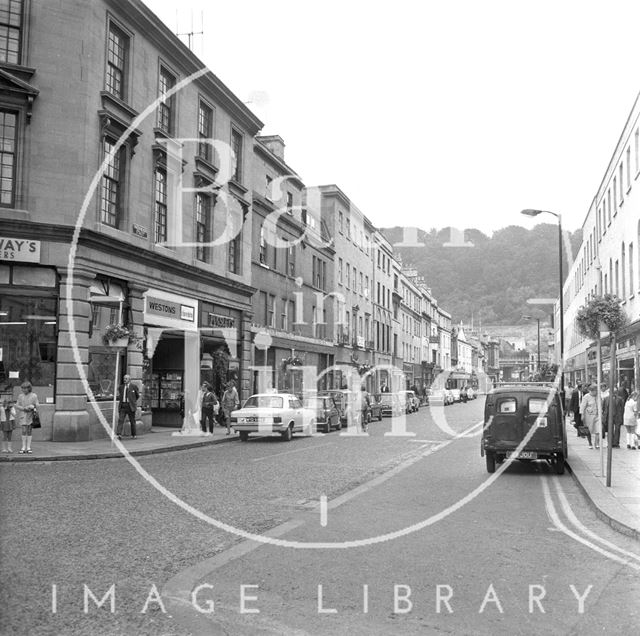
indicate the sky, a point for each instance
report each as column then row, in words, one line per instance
column 432, row 113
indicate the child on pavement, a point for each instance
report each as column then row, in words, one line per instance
column 8, row 420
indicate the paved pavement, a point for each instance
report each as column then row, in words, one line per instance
column 618, row 505
column 158, row 440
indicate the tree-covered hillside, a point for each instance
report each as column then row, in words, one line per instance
column 493, row 279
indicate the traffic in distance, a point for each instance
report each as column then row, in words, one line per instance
column 285, row 414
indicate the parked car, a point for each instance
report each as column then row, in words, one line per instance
column 341, row 398
column 390, row 405
column 327, row 414
column 272, row 413
column 511, row 412
column 411, row 400
column 437, row 396
column 456, row 394
column 448, row 397
column 471, row 393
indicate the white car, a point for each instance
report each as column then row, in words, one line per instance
column 471, row 394
column 266, row 413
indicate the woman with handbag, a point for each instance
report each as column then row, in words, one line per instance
column 26, row 408
column 590, row 413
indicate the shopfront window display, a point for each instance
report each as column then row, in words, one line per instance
column 28, row 342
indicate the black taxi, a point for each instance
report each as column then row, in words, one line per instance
column 524, row 421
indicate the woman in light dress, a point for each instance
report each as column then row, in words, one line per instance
column 630, row 421
column 590, row 412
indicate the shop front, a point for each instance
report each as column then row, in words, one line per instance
column 627, row 361
column 220, row 346
column 29, row 296
column 171, row 357
column 296, row 365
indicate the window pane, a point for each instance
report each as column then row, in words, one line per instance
column 537, row 405
column 8, row 122
column 507, row 406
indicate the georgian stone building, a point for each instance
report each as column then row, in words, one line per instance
column 293, row 274
column 124, row 199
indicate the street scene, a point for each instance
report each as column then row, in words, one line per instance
column 435, row 547
column 319, row 330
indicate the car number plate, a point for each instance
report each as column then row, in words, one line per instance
column 247, row 420
column 523, row 455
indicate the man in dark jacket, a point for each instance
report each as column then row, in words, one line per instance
column 574, row 406
column 618, row 415
column 128, row 395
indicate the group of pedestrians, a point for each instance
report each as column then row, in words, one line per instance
column 19, row 413
column 212, row 408
column 590, row 417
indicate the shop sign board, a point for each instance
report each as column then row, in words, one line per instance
column 221, row 322
column 19, row 250
column 170, row 310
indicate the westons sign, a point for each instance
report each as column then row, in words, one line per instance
column 21, row 250
column 170, row 309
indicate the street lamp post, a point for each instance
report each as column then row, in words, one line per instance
column 558, row 216
column 538, row 321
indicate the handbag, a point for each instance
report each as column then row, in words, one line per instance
column 35, row 420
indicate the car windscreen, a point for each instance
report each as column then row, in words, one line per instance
column 263, row 401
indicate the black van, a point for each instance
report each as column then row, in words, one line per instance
column 510, row 412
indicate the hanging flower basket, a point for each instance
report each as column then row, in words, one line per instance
column 293, row 361
column 115, row 335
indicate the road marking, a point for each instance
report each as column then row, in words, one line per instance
column 323, row 510
column 566, row 507
column 555, row 519
column 426, row 441
column 297, row 450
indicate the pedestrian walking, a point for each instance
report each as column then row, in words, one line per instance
column 128, row 394
column 574, row 407
column 631, row 420
column 590, row 413
column 8, row 420
column 26, row 405
column 618, row 417
column 230, row 402
column 623, row 391
column 210, row 407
